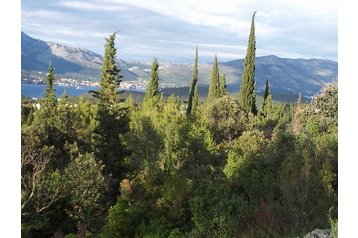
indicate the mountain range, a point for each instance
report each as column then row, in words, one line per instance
column 287, row 76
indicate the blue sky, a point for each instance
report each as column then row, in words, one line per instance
column 171, row 29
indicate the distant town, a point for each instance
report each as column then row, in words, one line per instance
column 39, row 78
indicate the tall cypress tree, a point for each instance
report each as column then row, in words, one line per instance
column 267, row 104
column 267, row 90
column 153, row 86
column 44, row 131
column 49, row 102
column 193, row 93
column 111, row 116
column 195, row 99
column 46, row 117
column 214, row 81
column 247, row 95
column 222, row 85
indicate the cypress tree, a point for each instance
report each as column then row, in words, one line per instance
column 214, row 81
column 267, row 91
column 153, row 86
column 49, row 102
column 193, row 93
column 247, row 96
column 66, row 119
column 112, row 120
column 195, row 99
column 267, row 104
column 44, row 130
column 222, row 85
column 47, row 114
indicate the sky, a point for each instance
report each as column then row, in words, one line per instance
column 170, row 29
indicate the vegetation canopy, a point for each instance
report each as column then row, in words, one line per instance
column 167, row 167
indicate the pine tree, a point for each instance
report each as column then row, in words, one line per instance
column 214, row 81
column 222, row 86
column 111, row 115
column 247, row 96
column 153, row 86
column 193, row 93
column 267, row 104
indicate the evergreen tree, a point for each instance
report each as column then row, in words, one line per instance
column 193, row 93
column 247, row 96
column 195, row 99
column 267, row 104
column 214, row 81
column 43, row 129
column 30, row 117
column 153, row 86
column 66, row 119
column 49, row 102
column 267, row 91
column 112, row 119
column 222, row 86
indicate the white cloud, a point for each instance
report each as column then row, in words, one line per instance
column 171, row 29
column 97, row 6
column 235, row 16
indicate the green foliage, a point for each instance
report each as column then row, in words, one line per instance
column 45, row 119
column 70, row 236
column 175, row 130
column 193, row 93
column 247, row 95
column 52, row 125
column 84, row 186
column 214, row 87
column 220, row 172
column 249, row 144
column 49, row 102
column 267, row 104
column 217, row 211
column 66, row 119
column 153, row 92
column 222, row 86
column 334, row 224
column 41, row 193
column 322, row 114
column 144, row 139
column 111, row 116
column 326, row 102
column 85, row 122
column 195, row 99
column 305, row 193
column 269, row 115
column 123, row 218
column 27, row 113
column 225, row 118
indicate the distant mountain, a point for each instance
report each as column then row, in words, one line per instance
column 287, row 76
column 36, row 55
column 306, row 76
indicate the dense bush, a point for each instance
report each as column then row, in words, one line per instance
column 149, row 169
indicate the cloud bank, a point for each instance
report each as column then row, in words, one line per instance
column 171, row 29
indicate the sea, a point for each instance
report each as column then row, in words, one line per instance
column 38, row 90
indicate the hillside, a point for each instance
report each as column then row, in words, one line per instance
column 287, row 76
